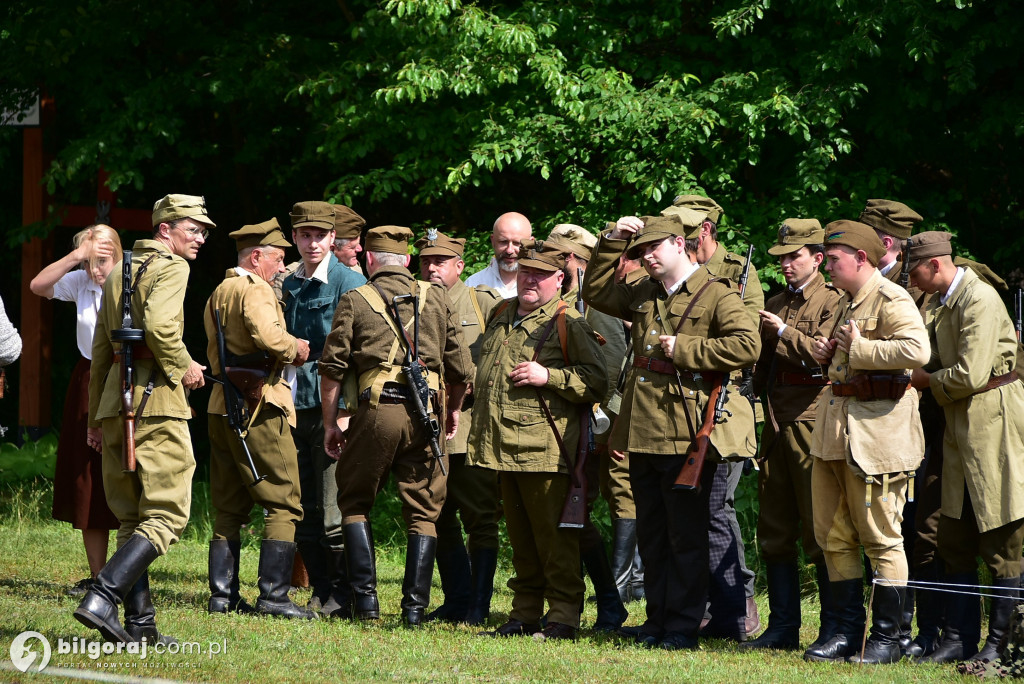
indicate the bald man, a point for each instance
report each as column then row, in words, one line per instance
column 507, row 236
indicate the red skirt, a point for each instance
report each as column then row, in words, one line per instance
column 78, row 496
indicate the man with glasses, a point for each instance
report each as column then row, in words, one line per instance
column 152, row 502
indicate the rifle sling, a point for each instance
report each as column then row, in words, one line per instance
column 559, row 313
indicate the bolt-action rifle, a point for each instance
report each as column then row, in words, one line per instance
column 238, row 414
column 128, row 336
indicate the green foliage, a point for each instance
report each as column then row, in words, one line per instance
column 33, row 460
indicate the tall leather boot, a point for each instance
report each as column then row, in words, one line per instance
column 883, row 644
column 962, row 630
column 419, row 568
column 223, row 570
column 483, row 563
column 828, row 623
column 140, row 615
column 610, row 611
column 1007, row 588
column 623, row 553
column 318, row 567
column 930, row 612
column 907, row 621
column 98, row 610
column 636, row 581
column 783, row 632
column 339, row 605
column 456, row 581
column 362, row 570
column 276, row 559
column 848, row 604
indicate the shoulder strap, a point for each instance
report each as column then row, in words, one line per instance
column 498, row 310
column 476, row 307
column 557, row 319
column 689, row 307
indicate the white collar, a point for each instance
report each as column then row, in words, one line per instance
column 675, row 288
column 952, row 286
column 321, row 270
column 888, row 267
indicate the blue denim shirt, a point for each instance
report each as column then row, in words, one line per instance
column 308, row 312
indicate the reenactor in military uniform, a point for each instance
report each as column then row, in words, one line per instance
column 893, row 222
column 366, row 349
column 867, row 438
column 152, row 502
column 611, row 613
column 255, row 338
column 791, row 382
column 732, row 611
column 467, row 578
column 539, row 360
column 688, row 329
column 310, row 296
column 972, row 376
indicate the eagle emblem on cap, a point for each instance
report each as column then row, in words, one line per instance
column 431, row 234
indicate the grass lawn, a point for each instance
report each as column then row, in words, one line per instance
column 39, row 559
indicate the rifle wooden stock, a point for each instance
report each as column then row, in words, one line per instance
column 128, row 423
column 689, row 474
column 574, row 510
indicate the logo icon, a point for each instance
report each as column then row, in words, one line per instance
column 24, row 656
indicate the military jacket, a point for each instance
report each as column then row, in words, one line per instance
column 510, row 431
column 361, row 339
column 252, row 321
column 309, row 306
column 716, row 336
column 156, row 309
column 974, row 341
column 808, row 314
column 612, row 332
column 726, row 264
column 472, row 327
column 880, row 436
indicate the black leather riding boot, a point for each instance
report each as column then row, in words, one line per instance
column 362, row 570
column 98, row 610
column 276, row 560
column 456, row 581
column 883, row 644
column 419, row 568
column 140, row 615
column 483, row 563
column 783, row 632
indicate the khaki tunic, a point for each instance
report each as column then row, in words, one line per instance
column 253, row 321
column 510, row 431
column 880, row 436
column 715, row 337
column 973, row 340
column 153, row 501
column 472, row 327
column 726, row 264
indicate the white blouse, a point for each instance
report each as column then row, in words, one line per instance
column 76, row 286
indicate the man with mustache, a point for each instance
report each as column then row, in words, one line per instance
column 507, row 238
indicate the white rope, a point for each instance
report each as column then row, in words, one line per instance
column 951, row 588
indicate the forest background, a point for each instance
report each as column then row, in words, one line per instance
column 441, row 113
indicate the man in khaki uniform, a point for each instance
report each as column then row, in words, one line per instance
column 467, row 579
column 867, row 437
column 973, row 377
column 600, row 467
column 529, row 389
column 790, row 380
column 152, row 502
column 254, row 337
column 687, row 329
column 367, row 349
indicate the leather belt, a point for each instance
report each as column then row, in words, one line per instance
column 662, row 366
column 139, row 351
column 867, row 387
column 999, row 381
column 783, row 378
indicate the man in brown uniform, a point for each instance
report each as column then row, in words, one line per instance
column 529, row 388
column 687, row 330
column 152, row 502
column 867, row 437
column 972, row 376
column 467, row 579
column 790, row 380
column 366, row 348
column 254, row 337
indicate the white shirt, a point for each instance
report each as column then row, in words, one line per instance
column 76, row 286
column 319, row 274
column 672, row 290
column 952, row 286
column 491, row 277
column 888, row 267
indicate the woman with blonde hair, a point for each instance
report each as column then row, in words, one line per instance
column 78, row 496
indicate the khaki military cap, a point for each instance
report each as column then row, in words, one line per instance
column 313, row 214
column 857, row 236
column 393, row 239
column 892, row 218
column 543, row 255
column 173, row 207
column 681, row 222
column 267, row 233
column 574, row 239
column 933, row 243
column 700, row 203
column 795, row 233
column 348, row 225
column 435, row 243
